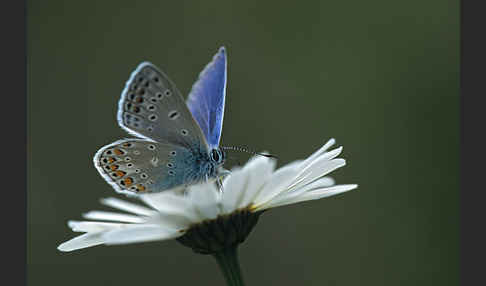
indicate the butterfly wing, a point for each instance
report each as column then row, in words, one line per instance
column 134, row 166
column 207, row 96
column 152, row 107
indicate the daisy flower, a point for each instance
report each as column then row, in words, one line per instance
column 210, row 220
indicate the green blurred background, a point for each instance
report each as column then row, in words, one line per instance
column 382, row 77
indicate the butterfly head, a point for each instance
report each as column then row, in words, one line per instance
column 217, row 156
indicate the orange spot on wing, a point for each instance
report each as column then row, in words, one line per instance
column 128, row 181
column 140, row 188
column 114, row 167
column 118, row 152
column 111, row 160
column 120, row 173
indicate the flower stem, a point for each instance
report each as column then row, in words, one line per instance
column 228, row 263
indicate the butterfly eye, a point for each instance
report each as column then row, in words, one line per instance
column 215, row 155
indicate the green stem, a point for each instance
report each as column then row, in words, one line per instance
column 228, row 263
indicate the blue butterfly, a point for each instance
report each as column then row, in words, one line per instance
column 178, row 142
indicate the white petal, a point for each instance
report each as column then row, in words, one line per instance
column 294, row 164
column 321, row 150
column 326, row 192
column 317, row 159
column 174, row 220
column 169, row 203
column 277, row 183
column 164, row 200
column 318, row 168
column 170, row 220
column 307, row 164
column 233, row 189
column 82, row 241
column 290, row 194
column 313, row 195
column 259, row 171
column 320, row 183
column 326, row 182
column 127, row 206
column 139, row 233
column 205, row 200
column 111, row 216
column 93, row 226
column 331, row 154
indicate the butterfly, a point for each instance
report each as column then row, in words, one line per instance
column 178, row 142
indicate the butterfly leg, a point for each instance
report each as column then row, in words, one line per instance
column 219, row 183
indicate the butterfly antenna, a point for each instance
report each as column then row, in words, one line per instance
column 242, row 149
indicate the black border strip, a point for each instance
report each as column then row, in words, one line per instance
column 14, row 116
column 473, row 198
column 13, row 25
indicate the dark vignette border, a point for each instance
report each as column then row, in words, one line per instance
column 14, row 135
column 473, row 198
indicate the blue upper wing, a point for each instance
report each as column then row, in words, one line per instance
column 206, row 99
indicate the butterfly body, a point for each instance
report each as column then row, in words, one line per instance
column 178, row 143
